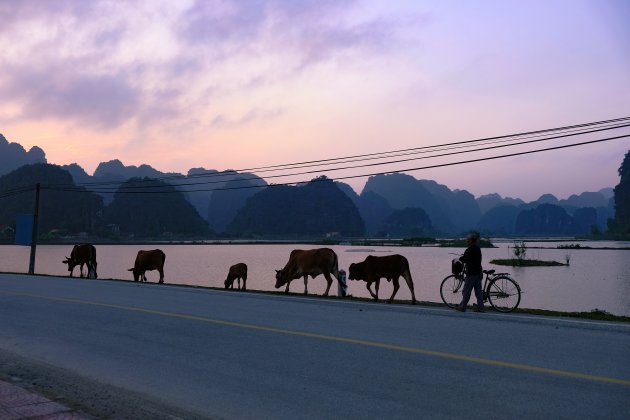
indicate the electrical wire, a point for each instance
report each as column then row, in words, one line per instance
column 370, row 156
column 138, row 185
column 371, row 174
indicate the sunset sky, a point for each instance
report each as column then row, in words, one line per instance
column 239, row 84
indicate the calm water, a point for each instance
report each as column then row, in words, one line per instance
column 595, row 279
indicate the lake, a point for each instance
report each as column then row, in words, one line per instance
column 594, row 279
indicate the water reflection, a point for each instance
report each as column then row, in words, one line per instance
column 595, row 278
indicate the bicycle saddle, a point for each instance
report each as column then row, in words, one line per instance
column 489, row 271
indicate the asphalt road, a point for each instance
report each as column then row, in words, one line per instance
column 186, row 352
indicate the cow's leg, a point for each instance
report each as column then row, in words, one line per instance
column 329, row 280
column 244, row 282
column 71, row 271
column 239, row 283
column 81, row 269
column 368, row 284
column 396, row 287
column 407, row 277
column 287, row 289
column 161, row 270
column 306, row 285
column 377, row 283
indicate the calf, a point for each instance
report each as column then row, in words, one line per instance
column 237, row 272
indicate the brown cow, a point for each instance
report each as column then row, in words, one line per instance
column 391, row 267
column 80, row 255
column 237, row 272
column 146, row 261
column 308, row 263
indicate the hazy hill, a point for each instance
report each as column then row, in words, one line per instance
column 449, row 211
column 154, row 215
column 13, row 155
column 407, row 223
column 64, row 211
column 545, row 219
column 79, row 176
column 500, row 220
column 225, row 203
column 116, row 170
column 374, row 209
column 489, row 201
column 315, row 209
column 586, row 199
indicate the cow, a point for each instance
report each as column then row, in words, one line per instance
column 146, row 261
column 391, row 267
column 80, row 255
column 237, row 272
column 308, row 263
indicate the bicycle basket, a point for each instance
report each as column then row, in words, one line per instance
column 457, row 266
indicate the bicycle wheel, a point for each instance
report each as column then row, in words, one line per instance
column 504, row 294
column 451, row 290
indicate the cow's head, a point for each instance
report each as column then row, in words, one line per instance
column 356, row 271
column 228, row 282
column 71, row 263
column 136, row 273
column 281, row 278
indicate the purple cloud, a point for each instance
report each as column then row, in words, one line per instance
column 102, row 100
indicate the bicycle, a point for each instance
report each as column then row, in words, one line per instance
column 500, row 289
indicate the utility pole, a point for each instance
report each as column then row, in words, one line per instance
column 31, row 265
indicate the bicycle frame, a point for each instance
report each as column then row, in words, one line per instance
column 499, row 289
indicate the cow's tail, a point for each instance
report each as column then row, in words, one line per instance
column 335, row 266
column 407, row 276
column 163, row 258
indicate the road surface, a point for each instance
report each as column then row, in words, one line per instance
column 189, row 352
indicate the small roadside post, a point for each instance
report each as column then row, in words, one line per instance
column 31, row 264
column 342, row 287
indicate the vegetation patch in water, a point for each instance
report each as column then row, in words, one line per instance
column 515, row 262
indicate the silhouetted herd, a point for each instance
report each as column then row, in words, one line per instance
column 302, row 263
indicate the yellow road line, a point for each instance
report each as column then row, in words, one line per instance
column 444, row 355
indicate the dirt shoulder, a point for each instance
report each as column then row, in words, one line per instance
column 82, row 394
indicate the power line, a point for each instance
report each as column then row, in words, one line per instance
column 369, row 156
column 378, row 173
column 136, row 186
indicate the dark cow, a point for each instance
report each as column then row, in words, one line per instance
column 80, row 255
column 237, row 272
column 308, row 263
column 391, row 267
column 147, row 261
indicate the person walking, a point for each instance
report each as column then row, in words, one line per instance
column 474, row 274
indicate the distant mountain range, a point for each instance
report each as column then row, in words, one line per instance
column 396, row 205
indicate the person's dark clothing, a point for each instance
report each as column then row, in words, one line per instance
column 470, row 283
column 474, row 277
column 472, row 259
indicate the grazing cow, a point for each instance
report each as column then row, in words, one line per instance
column 308, row 263
column 237, row 272
column 82, row 254
column 391, row 267
column 146, row 261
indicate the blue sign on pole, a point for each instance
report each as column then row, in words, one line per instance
column 24, row 229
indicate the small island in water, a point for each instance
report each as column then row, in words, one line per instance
column 515, row 262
